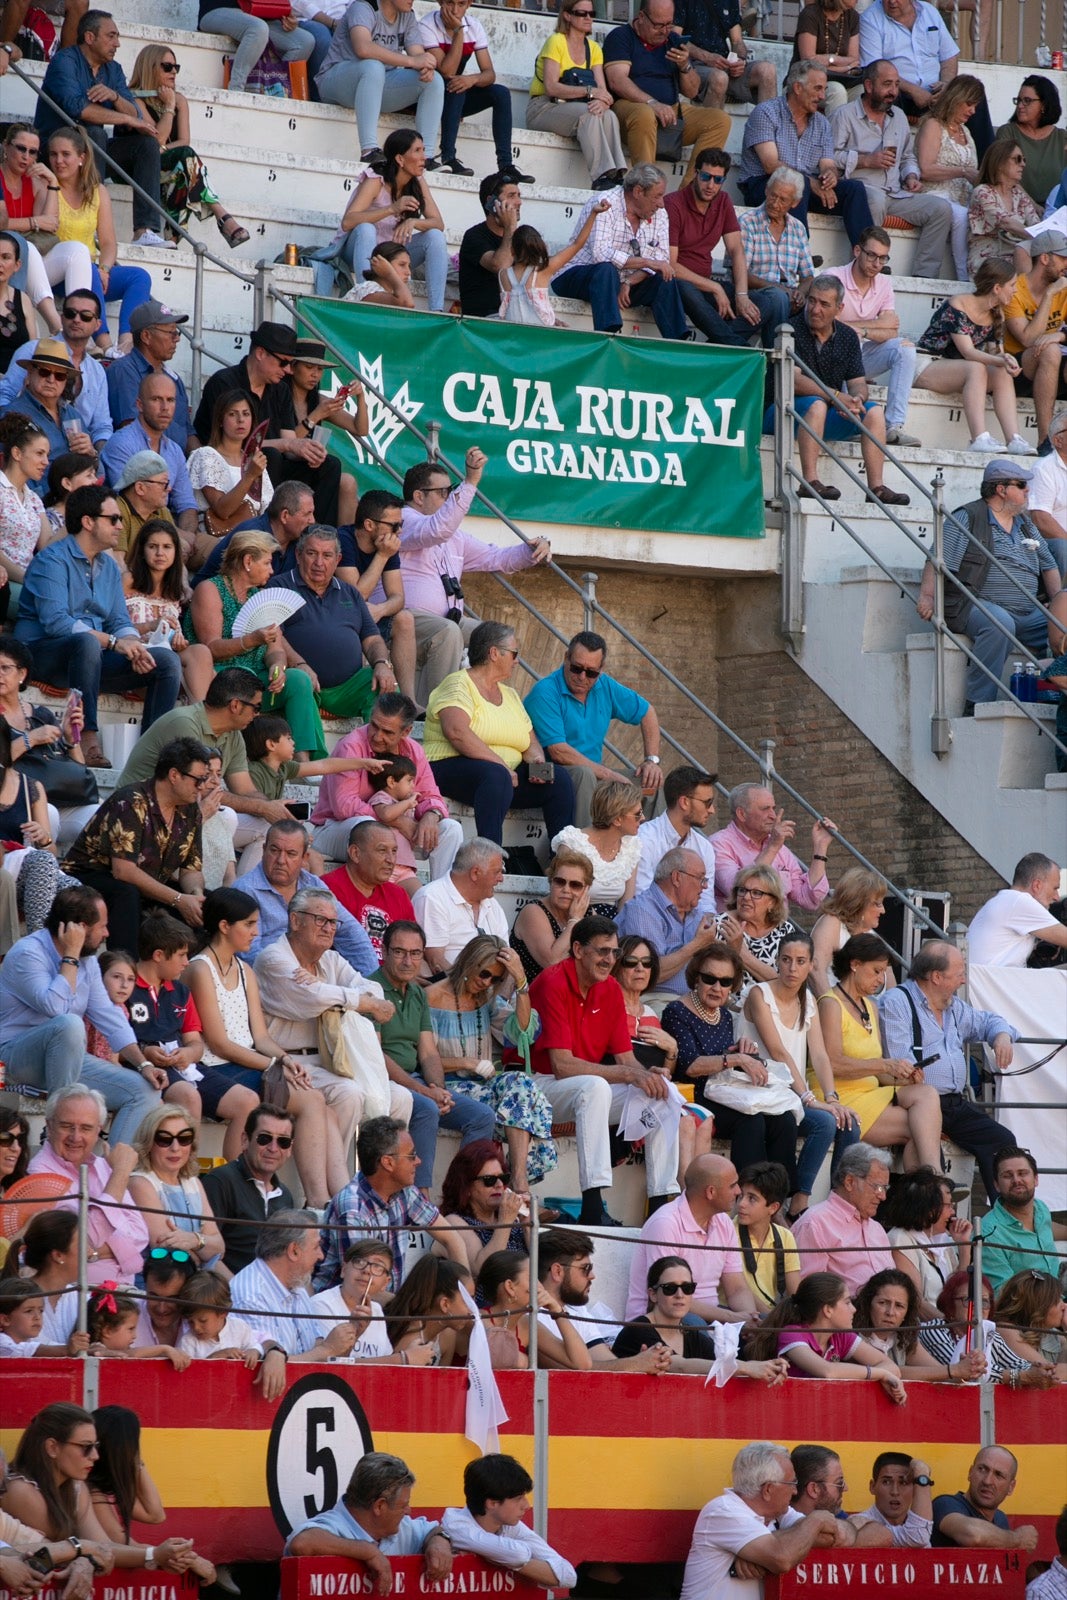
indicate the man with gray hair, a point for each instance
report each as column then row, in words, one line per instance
column 453, row 909
column 1048, row 492
column 840, row 1234
column 303, row 980
column 272, row 1294
column 371, row 1522
column 668, row 917
column 333, row 630
column 649, row 68
column 1005, row 930
column 830, row 350
column 626, row 260
column 757, row 836
column 777, row 252
column 791, row 130
column 739, row 1536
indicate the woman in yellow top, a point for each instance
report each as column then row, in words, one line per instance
column 480, row 741
column 894, row 1105
column 85, row 216
column 568, row 94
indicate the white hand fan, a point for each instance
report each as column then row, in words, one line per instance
column 264, row 609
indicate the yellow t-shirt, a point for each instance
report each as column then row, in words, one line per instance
column 763, row 1283
column 1023, row 304
column 505, row 728
column 555, row 49
column 80, row 224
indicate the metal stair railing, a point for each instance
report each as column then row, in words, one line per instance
column 787, row 473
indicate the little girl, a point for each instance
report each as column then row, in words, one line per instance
column 394, row 799
column 113, row 1320
column 119, row 972
column 812, row 1329
column 21, row 1317
column 387, row 280
column 526, row 298
column 213, row 1334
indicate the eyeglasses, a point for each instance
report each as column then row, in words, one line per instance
column 581, row 13
column 35, row 149
column 285, row 362
column 712, row 177
column 834, row 1483
column 79, row 316
column 507, row 650
column 881, row 256
column 879, row 1188
column 698, row 877
column 584, row 1267
column 405, row 955
column 687, row 1286
column 1013, row 483
column 253, row 705
column 584, row 672
column 1020, row 100
column 384, row 522
column 112, row 517
column 165, row 1139
column 199, row 778
column 636, row 961
column 284, row 1141
column 754, row 894
column 489, row 1180
column 715, row 979
column 1021, row 159
column 485, row 973
column 49, row 372
column 160, row 483
column 160, row 1253
column 169, row 66
column 90, row 1449
column 569, row 883
column 10, row 1136
column 319, row 921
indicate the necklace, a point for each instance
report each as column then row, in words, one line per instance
column 224, row 972
column 713, row 1018
column 859, row 1007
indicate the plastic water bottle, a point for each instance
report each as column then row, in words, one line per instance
column 1030, row 683
column 1017, row 684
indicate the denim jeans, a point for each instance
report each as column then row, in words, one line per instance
column 819, row 1131
column 458, row 106
column 251, row 34
column 130, row 285
column 599, row 284
column 487, row 786
column 371, row 88
column 469, row 1118
column 53, row 1055
column 80, row 662
column 897, row 358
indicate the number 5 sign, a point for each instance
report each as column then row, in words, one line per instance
column 319, row 1435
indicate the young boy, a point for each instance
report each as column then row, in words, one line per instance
column 165, row 1020
column 21, row 1317
column 495, row 1488
column 211, row 1333
column 768, row 1251
column 394, row 800
column 270, row 747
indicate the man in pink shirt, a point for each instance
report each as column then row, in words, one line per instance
column 869, row 309
column 698, row 1228
column 434, row 554
column 345, row 796
column 840, row 1234
column 757, row 836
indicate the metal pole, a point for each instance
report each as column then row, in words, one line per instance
column 766, row 748
column 433, row 440
column 534, row 1269
column 589, row 583
column 986, row 1409
column 940, row 731
column 540, row 1417
column 83, row 1249
column 198, row 321
column 784, row 492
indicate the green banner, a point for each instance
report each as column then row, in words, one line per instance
column 578, row 427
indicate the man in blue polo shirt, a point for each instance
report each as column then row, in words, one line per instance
column 157, row 398
column 571, row 711
column 154, row 327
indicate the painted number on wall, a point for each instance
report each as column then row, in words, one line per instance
column 319, row 1434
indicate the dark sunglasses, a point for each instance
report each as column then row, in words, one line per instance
column 490, row 1181
column 636, row 961
column 710, row 978
column 10, row 1136
column 112, row 517
column 581, row 13
column 79, row 316
column 569, row 883
column 712, row 177
column 184, row 1139
column 35, row 149
column 686, row 1287
column 584, row 672
column 384, row 522
column 284, row 1141
column 494, row 977
column 169, row 66
column 161, row 1254
column 198, row 778
column 50, row 372
column 1013, row 483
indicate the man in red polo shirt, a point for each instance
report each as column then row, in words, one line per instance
column 585, row 1055
column 363, row 884
column 698, row 216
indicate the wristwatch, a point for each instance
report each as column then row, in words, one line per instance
column 923, row 1481
column 653, row 759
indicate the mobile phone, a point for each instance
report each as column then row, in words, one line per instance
column 542, row 771
column 345, row 390
column 299, row 809
column 40, row 1561
column 74, row 701
column 678, row 39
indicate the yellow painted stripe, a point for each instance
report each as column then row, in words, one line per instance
column 220, row 1467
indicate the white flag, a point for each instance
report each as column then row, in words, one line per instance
column 727, row 1344
column 485, row 1409
column 641, row 1115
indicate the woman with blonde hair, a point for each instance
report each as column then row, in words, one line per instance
column 541, row 931
column 1001, row 210
column 247, row 564
column 1031, row 1319
column 948, row 158
column 166, row 1182
column 855, row 906
column 184, row 188
column 570, row 96
column 755, row 923
column 610, row 841
column 85, row 216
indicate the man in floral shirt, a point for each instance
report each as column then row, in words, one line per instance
column 145, row 843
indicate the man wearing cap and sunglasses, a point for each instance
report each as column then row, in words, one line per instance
column 291, row 451
column 249, row 1189
column 154, row 327
column 43, row 400
column 80, row 324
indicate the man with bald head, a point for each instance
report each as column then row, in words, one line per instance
column 157, row 399
column 697, row 1227
column 972, row 1518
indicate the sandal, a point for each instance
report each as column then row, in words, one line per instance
column 889, row 497
column 93, row 751
column 808, row 491
column 233, row 236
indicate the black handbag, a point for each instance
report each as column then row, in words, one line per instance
column 66, row 782
column 580, row 77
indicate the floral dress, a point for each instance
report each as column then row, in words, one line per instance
column 948, row 320
column 988, row 213
column 20, row 522
column 516, row 1100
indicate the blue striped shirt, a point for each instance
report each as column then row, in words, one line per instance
column 271, row 1310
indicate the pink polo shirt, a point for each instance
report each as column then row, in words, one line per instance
column 871, row 303
column 839, row 1240
column 668, row 1232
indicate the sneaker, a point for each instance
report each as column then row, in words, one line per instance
column 985, row 444
column 374, row 158
column 898, row 436
column 1018, row 446
column 154, row 241
column 452, row 164
column 513, row 175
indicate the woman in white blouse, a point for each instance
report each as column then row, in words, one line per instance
column 228, row 489
column 610, row 842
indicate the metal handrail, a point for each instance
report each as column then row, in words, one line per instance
column 787, row 471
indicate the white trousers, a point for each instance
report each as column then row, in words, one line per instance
column 594, row 1105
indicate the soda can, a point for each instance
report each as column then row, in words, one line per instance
column 292, row 255
column 1057, row 60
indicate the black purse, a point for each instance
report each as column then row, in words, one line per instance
column 580, row 77
column 66, row 782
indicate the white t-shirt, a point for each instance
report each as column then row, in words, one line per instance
column 235, row 1335
column 20, row 1349
column 911, row 1534
column 1003, row 933
column 595, row 1324
column 435, row 36
column 450, row 922
column 724, row 1527
column 309, row 9
column 1048, row 488
column 373, row 1341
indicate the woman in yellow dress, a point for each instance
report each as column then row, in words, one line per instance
column 894, row 1105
